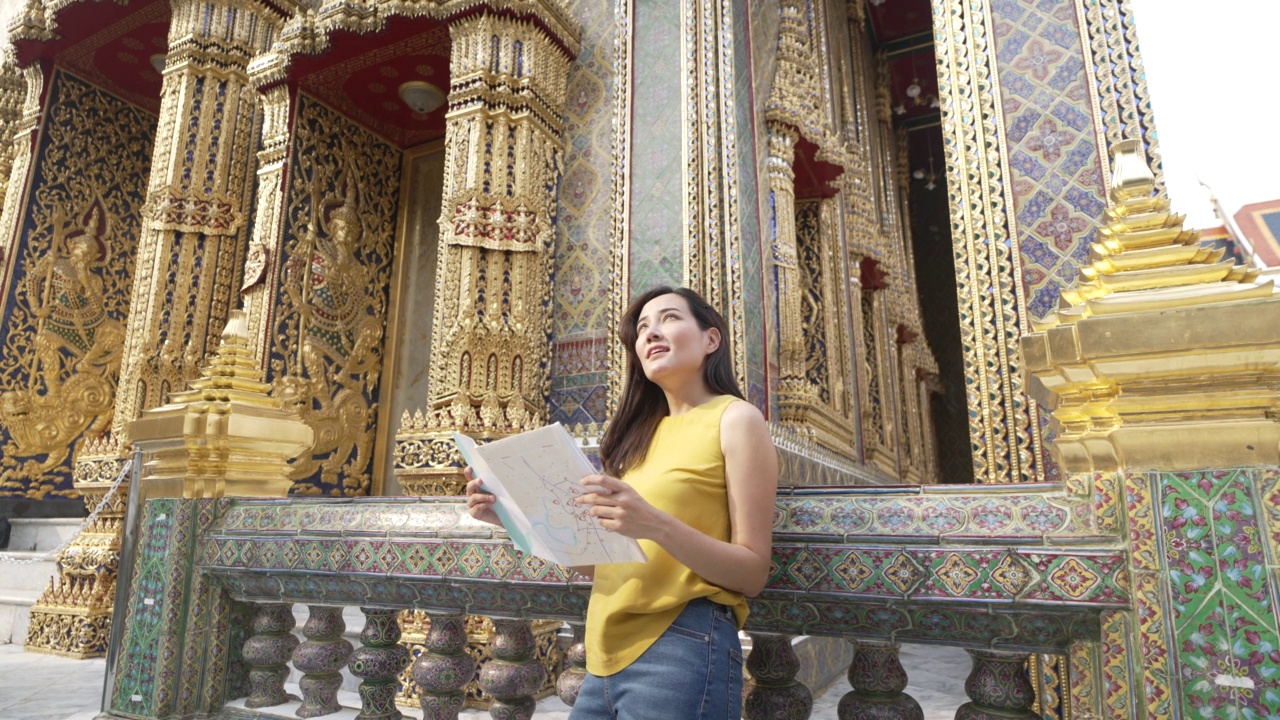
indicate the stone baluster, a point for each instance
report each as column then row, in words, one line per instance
column 444, row 668
column 570, row 681
column 513, row 676
column 878, row 680
column 321, row 659
column 775, row 694
column 378, row 663
column 267, row 651
column 999, row 686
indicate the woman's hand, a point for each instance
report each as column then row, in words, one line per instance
column 479, row 502
column 622, row 510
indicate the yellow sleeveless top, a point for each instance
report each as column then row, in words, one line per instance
column 632, row 604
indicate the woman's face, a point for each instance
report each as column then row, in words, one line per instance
column 668, row 339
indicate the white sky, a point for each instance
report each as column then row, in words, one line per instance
column 1214, row 73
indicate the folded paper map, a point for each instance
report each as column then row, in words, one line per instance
column 535, row 477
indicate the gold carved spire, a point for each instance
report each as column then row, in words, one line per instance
column 1164, row 356
column 225, row 435
column 1144, row 259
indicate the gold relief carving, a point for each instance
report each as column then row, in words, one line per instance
column 711, row 183
column 1000, row 429
column 71, row 274
column 491, row 322
column 620, row 194
column 332, row 306
column 75, row 356
column 811, row 395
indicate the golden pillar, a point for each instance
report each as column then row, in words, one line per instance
column 490, row 346
column 792, row 385
column 12, row 98
column 491, row 327
column 190, row 255
column 24, row 88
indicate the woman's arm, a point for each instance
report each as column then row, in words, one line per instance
column 751, row 477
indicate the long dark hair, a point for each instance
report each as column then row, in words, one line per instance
column 643, row 404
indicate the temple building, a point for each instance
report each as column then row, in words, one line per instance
column 259, row 259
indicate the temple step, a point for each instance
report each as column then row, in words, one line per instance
column 15, row 614
column 43, row 534
column 24, row 571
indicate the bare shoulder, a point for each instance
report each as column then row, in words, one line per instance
column 743, row 422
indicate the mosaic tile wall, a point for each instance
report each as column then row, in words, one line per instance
column 64, row 287
column 580, row 305
column 1055, row 163
column 1056, row 166
column 657, row 155
column 1205, row 548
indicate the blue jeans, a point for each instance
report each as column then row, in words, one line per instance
column 692, row 672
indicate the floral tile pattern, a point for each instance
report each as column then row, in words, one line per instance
column 1226, row 642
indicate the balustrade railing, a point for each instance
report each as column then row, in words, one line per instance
column 1005, row 575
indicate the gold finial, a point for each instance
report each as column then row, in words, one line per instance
column 1143, row 258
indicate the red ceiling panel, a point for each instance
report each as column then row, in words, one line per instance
column 361, row 75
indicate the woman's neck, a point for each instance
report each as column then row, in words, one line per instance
column 683, row 397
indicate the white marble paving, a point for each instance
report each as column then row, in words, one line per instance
column 45, row 687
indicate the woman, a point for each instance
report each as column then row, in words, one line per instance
column 690, row 472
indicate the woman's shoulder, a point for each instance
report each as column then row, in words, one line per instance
column 741, row 415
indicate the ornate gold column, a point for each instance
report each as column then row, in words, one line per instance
column 12, row 99
column 19, row 137
column 490, row 332
column 192, row 248
column 792, row 385
column 190, row 255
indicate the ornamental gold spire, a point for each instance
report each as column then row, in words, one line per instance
column 1145, row 260
column 224, row 436
column 1164, row 356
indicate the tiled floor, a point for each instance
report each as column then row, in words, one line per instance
column 43, row 687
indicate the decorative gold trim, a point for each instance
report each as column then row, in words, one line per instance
column 391, row 353
column 1001, row 424
column 620, row 195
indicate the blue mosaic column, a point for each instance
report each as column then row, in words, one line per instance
column 514, row 675
column 878, row 680
column 321, row 658
column 774, row 693
column 267, row 653
column 999, row 686
column 378, row 663
column 569, row 684
column 444, row 667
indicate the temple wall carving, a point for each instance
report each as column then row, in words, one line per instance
column 333, row 293
column 66, row 282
